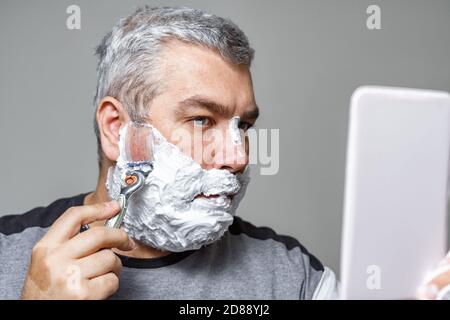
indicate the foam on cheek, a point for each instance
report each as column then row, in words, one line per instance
column 166, row 213
column 235, row 133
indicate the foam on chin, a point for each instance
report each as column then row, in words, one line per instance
column 165, row 213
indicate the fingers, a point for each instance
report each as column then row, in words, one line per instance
column 441, row 277
column 100, row 263
column 69, row 223
column 103, row 286
column 94, row 239
column 437, row 284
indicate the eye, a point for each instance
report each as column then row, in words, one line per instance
column 201, row 122
column 244, row 125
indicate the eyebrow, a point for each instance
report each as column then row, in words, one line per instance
column 217, row 108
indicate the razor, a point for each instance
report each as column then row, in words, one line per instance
column 134, row 181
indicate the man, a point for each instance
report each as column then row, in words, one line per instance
column 181, row 73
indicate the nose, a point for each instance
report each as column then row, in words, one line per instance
column 230, row 154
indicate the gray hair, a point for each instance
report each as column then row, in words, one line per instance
column 128, row 65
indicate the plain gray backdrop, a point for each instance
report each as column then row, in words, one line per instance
column 310, row 56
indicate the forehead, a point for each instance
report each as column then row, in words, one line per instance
column 194, row 70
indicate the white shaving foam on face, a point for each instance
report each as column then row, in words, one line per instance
column 234, row 131
column 167, row 213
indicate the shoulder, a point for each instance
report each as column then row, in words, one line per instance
column 268, row 238
column 281, row 256
column 41, row 217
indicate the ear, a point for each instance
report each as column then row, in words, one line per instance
column 110, row 115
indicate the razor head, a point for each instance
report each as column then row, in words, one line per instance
column 136, row 149
column 143, row 166
column 137, row 144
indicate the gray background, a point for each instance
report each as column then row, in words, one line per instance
column 310, row 56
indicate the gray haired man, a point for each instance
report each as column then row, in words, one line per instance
column 185, row 73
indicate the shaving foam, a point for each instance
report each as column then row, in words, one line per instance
column 234, row 131
column 172, row 211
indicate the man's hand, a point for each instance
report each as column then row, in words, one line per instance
column 437, row 286
column 66, row 264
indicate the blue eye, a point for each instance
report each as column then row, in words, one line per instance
column 201, row 122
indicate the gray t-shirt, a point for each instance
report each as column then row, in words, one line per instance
column 247, row 263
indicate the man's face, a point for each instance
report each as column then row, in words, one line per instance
column 201, row 93
column 204, row 107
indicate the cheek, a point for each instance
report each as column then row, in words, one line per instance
column 195, row 144
column 190, row 147
column 187, row 140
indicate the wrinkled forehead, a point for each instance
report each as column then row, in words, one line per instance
column 196, row 76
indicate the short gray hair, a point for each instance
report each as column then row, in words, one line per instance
column 128, row 65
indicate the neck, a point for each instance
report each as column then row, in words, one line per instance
column 101, row 195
